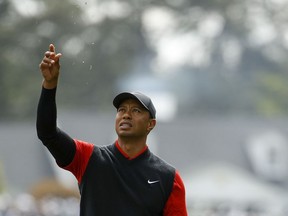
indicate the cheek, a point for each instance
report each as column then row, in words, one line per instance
column 117, row 117
column 117, row 120
column 145, row 125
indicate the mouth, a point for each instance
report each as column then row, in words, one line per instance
column 125, row 125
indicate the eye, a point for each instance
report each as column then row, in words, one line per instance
column 136, row 110
column 120, row 109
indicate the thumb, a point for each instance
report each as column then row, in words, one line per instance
column 57, row 57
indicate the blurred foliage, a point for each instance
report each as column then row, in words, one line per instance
column 96, row 55
column 1, row 179
column 273, row 90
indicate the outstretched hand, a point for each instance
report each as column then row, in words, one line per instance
column 50, row 67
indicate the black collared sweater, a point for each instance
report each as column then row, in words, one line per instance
column 113, row 185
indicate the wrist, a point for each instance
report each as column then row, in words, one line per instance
column 50, row 84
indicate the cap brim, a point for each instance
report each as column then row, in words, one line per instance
column 142, row 99
column 124, row 96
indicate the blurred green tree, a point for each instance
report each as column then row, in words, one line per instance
column 230, row 45
column 1, row 179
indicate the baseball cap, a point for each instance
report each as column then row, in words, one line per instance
column 143, row 99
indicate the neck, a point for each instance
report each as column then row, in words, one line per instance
column 131, row 147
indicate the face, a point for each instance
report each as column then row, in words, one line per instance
column 133, row 120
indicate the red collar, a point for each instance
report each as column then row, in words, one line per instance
column 126, row 155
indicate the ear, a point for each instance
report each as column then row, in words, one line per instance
column 152, row 124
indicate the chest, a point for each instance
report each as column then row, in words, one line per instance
column 134, row 184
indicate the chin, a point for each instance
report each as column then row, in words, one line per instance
column 122, row 133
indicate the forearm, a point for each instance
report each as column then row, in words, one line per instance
column 60, row 145
column 46, row 115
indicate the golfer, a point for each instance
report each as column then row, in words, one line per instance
column 121, row 179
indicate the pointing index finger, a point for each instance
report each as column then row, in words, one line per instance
column 52, row 48
column 52, row 54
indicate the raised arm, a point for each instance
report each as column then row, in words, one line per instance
column 61, row 146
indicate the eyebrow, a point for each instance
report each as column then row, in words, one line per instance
column 133, row 106
column 136, row 104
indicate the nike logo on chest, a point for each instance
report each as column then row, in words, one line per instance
column 152, row 182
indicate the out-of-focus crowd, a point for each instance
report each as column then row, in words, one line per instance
column 26, row 205
column 236, row 209
column 46, row 198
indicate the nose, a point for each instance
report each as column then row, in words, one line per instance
column 127, row 115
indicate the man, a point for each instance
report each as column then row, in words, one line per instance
column 121, row 179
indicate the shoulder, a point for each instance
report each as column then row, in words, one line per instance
column 87, row 146
column 161, row 163
column 100, row 153
column 80, row 144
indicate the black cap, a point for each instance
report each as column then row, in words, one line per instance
column 143, row 99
